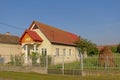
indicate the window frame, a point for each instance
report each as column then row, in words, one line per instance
column 57, row 52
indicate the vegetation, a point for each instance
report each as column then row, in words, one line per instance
column 89, row 63
column 43, row 60
column 16, row 60
column 118, row 48
column 113, row 49
column 85, row 45
column 34, row 56
column 36, row 76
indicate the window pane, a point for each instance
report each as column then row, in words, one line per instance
column 69, row 52
column 57, row 51
column 64, row 52
column 44, row 51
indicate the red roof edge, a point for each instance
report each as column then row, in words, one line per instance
column 33, row 35
column 22, row 36
column 74, row 36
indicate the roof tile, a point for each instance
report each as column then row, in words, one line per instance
column 9, row 39
column 33, row 35
column 56, row 35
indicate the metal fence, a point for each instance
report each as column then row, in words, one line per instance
column 66, row 65
column 91, row 65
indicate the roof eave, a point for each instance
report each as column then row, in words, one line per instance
column 63, row 44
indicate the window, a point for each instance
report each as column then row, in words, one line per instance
column 35, row 27
column 64, row 52
column 69, row 52
column 57, row 51
column 44, row 51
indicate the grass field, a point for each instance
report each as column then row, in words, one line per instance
column 36, row 76
column 88, row 63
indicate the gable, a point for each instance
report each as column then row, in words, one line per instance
column 35, row 27
column 26, row 38
column 30, row 36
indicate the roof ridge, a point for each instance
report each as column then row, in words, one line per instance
column 52, row 26
column 9, row 35
column 9, row 39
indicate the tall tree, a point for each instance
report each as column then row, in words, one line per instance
column 86, row 45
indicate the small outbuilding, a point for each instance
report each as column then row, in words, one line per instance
column 9, row 45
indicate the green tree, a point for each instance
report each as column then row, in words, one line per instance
column 113, row 49
column 86, row 45
column 118, row 48
column 34, row 57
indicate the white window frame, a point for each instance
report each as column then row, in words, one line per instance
column 44, row 51
column 70, row 52
column 64, row 52
column 57, row 51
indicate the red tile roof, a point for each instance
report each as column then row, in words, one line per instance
column 33, row 35
column 9, row 39
column 56, row 35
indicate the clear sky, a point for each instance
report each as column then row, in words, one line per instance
column 96, row 20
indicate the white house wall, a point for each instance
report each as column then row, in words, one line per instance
column 67, row 58
column 6, row 50
column 51, row 50
column 45, row 44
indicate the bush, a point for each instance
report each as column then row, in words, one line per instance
column 34, row 57
column 93, row 51
column 43, row 60
column 113, row 49
column 118, row 48
column 16, row 60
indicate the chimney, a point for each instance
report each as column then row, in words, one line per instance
column 7, row 33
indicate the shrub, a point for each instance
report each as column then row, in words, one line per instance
column 118, row 48
column 16, row 60
column 93, row 51
column 43, row 60
column 34, row 57
column 113, row 49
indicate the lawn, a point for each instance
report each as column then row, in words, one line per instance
column 89, row 63
column 36, row 76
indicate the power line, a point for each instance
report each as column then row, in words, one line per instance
column 8, row 25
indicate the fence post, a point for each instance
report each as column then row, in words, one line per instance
column 81, row 61
column 106, row 62
column 46, row 63
column 63, row 65
column 14, row 62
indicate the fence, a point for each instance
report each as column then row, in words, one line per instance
column 66, row 65
column 92, row 65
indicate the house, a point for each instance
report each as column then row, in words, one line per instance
column 9, row 45
column 48, row 40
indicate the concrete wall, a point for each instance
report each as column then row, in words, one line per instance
column 9, row 49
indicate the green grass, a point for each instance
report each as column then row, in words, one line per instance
column 89, row 63
column 36, row 76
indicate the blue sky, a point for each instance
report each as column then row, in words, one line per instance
column 96, row 20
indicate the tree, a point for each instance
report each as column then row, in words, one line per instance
column 86, row 45
column 113, row 49
column 118, row 48
column 34, row 57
